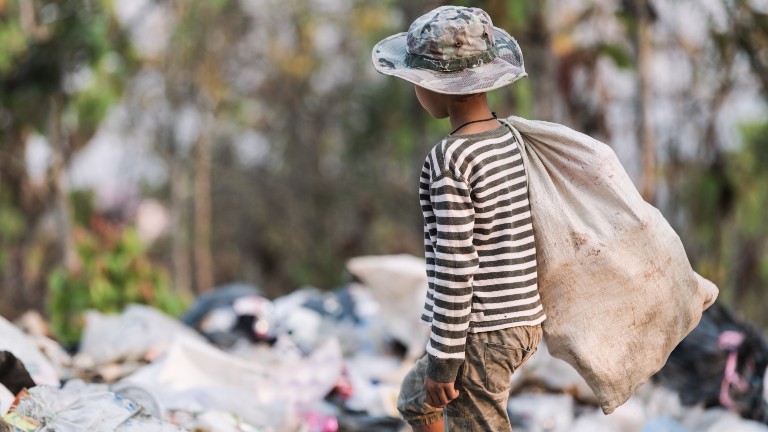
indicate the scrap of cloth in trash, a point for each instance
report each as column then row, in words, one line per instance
column 614, row 278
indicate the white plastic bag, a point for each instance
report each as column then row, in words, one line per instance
column 399, row 284
column 136, row 333
column 614, row 278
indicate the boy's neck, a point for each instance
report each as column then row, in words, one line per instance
column 472, row 110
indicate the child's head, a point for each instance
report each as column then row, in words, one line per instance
column 452, row 50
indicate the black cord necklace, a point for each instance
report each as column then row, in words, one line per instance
column 474, row 121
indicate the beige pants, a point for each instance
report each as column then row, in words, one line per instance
column 483, row 382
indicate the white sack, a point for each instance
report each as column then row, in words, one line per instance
column 616, row 284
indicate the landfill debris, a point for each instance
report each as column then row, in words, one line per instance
column 541, row 412
column 139, row 333
column 81, row 407
column 399, row 284
column 6, row 399
column 195, row 376
column 721, row 363
column 331, row 361
column 13, row 375
column 553, row 375
column 232, row 312
column 15, row 341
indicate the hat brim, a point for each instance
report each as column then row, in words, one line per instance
column 389, row 58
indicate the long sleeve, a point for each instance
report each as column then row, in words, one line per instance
column 429, row 251
column 455, row 265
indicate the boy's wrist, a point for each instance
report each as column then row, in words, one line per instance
column 443, row 370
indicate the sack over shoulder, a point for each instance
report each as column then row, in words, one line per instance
column 615, row 281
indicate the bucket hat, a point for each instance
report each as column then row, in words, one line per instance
column 452, row 50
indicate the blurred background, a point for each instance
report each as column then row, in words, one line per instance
column 151, row 150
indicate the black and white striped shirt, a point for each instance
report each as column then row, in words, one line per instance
column 479, row 244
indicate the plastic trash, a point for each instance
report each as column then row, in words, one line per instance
column 195, row 376
column 23, row 347
column 375, row 381
column 705, row 371
column 141, row 395
column 79, row 407
column 399, row 285
column 6, row 399
column 320, row 422
column 339, row 305
column 303, row 325
column 663, row 424
column 630, row 416
column 221, row 297
column 310, row 315
column 660, row 401
column 553, row 374
column 720, row 420
column 594, row 421
column 214, row 421
column 139, row 332
column 357, row 422
column 541, row 412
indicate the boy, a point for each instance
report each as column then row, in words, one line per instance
column 483, row 303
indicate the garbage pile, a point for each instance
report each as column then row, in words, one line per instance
column 320, row 361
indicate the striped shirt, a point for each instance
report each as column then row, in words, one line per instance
column 479, row 244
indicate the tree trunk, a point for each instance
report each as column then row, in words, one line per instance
column 61, row 209
column 179, row 194
column 645, row 92
column 203, row 256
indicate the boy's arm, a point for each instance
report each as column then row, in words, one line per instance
column 456, row 262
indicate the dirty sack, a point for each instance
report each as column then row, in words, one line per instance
column 616, row 284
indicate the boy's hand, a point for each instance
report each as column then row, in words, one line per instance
column 439, row 393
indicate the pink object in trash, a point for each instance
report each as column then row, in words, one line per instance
column 730, row 341
column 318, row 422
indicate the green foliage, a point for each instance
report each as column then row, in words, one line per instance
column 110, row 278
column 11, row 222
column 11, row 227
column 620, row 55
column 12, row 42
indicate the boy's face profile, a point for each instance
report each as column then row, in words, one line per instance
column 435, row 103
column 439, row 105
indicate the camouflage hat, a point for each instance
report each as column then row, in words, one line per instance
column 452, row 50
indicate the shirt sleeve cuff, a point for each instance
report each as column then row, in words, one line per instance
column 443, row 370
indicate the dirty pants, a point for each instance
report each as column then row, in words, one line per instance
column 483, row 381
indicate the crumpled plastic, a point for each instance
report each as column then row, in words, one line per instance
column 138, row 332
column 78, row 407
